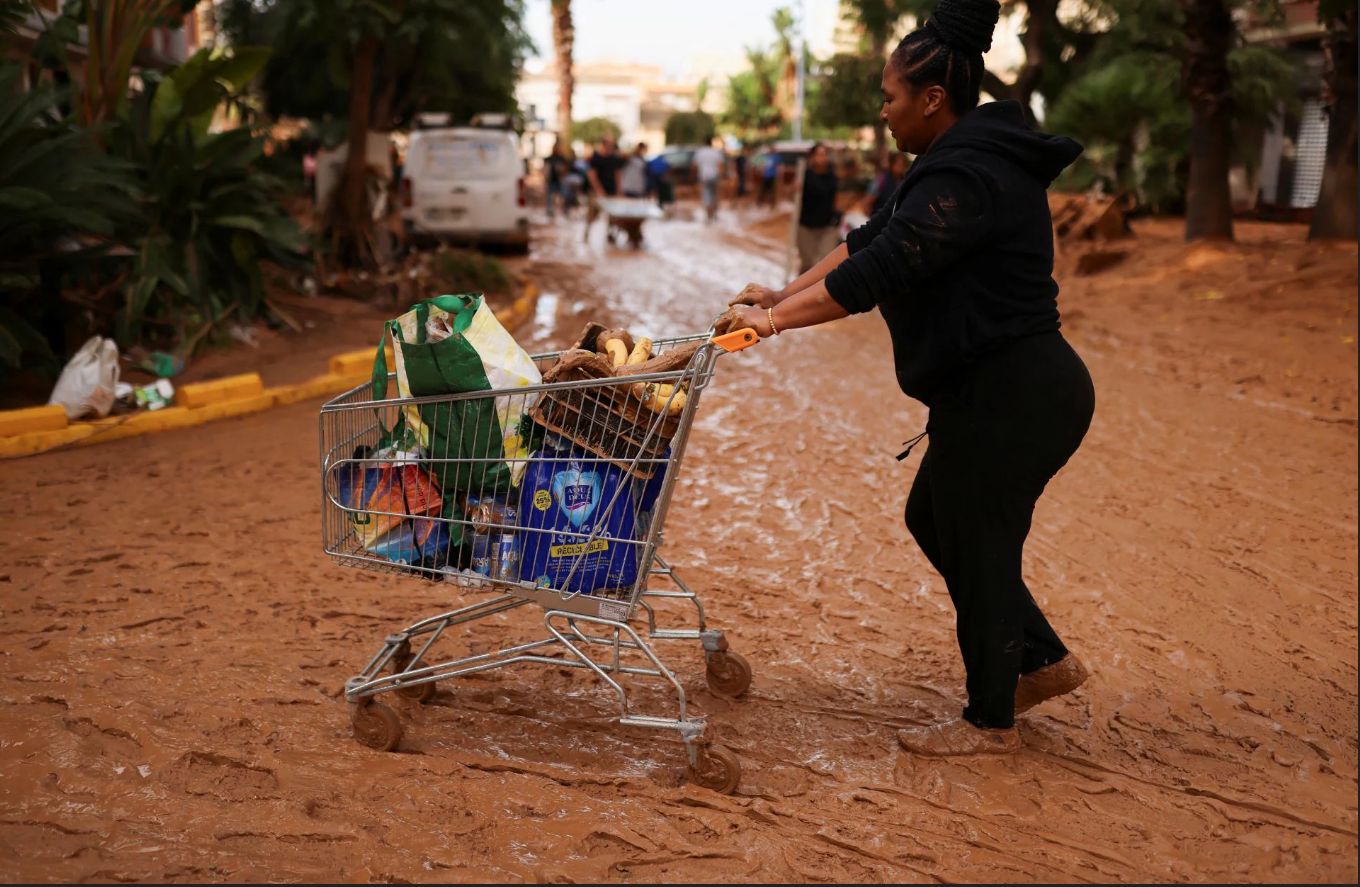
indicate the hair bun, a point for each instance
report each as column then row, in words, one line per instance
column 966, row 25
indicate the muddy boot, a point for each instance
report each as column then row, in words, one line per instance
column 1063, row 676
column 958, row 737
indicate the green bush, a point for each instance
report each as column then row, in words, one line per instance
column 1131, row 114
column 690, row 128
column 1134, row 124
column 592, row 130
column 210, row 216
column 61, row 202
column 466, row 271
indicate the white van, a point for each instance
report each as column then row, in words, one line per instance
column 465, row 183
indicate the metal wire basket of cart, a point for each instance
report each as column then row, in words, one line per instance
column 552, row 495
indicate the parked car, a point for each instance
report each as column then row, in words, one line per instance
column 680, row 161
column 466, row 184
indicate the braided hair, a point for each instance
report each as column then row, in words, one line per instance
column 947, row 50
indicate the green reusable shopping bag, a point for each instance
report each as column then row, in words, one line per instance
column 479, row 355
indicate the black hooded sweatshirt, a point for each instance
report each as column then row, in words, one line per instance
column 961, row 261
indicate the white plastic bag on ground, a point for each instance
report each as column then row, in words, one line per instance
column 88, row 380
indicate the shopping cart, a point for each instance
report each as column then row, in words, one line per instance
column 599, row 454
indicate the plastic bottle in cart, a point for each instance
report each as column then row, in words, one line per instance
column 505, row 546
column 480, row 515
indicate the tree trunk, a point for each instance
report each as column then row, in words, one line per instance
column 997, row 88
column 1205, row 80
column 564, row 36
column 1050, row 46
column 353, row 232
column 1335, row 217
column 1040, row 22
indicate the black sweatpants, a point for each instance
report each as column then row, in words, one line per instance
column 996, row 438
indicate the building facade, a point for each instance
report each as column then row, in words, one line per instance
column 163, row 47
column 1288, row 175
column 639, row 99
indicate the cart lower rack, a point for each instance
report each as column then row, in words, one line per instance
column 553, row 495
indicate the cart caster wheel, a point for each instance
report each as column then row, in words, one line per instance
column 728, row 673
column 376, row 726
column 717, row 769
column 421, row 693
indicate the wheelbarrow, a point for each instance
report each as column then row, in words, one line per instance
column 624, row 217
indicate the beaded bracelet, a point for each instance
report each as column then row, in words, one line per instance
column 769, row 313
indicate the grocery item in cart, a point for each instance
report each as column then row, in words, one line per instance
column 455, row 345
column 580, row 529
column 384, row 490
column 647, row 494
column 607, row 417
column 495, row 545
column 435, row 542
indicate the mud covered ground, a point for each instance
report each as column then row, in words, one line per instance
column 175, row 643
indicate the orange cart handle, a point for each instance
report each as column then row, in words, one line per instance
column 737, row 340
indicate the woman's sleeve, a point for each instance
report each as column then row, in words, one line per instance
column 939, row 220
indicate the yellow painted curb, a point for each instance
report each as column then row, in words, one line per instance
column 36, row 442
column 320, row 386
column 352, row 363
column 46, row 418
column 35, row 430
column 521, row 309
column 200, row 394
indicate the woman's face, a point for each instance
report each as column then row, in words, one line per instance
column 910, row 111
column 819, row 160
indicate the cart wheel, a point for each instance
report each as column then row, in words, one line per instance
column 729, row 674
column 421, row 693
column 376, row 726
column 717, row 769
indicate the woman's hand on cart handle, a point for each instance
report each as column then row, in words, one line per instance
column 731, row 332
column 757, row 296
column 740, row 327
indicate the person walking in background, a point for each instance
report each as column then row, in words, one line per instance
column 818, row 217
column 309, row 173
column 602, row 173
column 740, row 164
column 555, row 170
column 604, row 169
column 577, row 183
column 394, row 155
column 709, row 163
column 768, row 177
column 659, row 174
column 633, row 177
column 960, row 265
column 884, row 184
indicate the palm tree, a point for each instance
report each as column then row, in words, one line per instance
column 877, row 19
column 784, row 52
column 564, row 35
column 1335, row 216
column 1209, row 33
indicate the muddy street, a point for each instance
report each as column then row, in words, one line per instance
column 176, row 643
